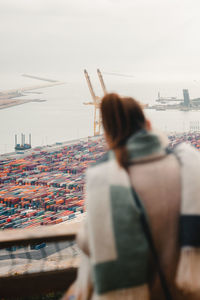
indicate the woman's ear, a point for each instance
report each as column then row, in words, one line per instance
column 148, row 125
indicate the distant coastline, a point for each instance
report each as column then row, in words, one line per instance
column 10, row 98
column 7, row 103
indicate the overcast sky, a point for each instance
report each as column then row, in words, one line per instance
column 151, row 39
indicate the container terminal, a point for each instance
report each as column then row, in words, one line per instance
column 45, row 186
column 192, row 138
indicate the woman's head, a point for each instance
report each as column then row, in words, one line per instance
column 121, row 118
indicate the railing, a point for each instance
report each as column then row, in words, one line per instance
column 38, row 261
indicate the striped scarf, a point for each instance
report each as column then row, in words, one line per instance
column 118, row 246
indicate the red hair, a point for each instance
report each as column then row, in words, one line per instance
column 121, row 118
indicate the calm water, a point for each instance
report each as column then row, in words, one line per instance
column 64, row 117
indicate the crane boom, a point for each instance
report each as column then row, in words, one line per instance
column 118, row 74
column 102, row 81
column 96, row 103
column 90, row 86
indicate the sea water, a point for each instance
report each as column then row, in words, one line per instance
column 63, row 116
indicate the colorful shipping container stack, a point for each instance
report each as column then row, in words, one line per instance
column 192, row 138
column 46, row 187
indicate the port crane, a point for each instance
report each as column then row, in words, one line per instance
column 102, row 81
column 96, row 100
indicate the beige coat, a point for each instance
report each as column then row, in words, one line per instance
column 158, row 184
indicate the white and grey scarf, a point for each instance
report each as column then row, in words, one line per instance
column 118, row 246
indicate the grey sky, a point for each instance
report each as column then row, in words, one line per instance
column 151, row 39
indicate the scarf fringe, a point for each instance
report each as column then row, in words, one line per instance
column 137, row 293
column 187, row 277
